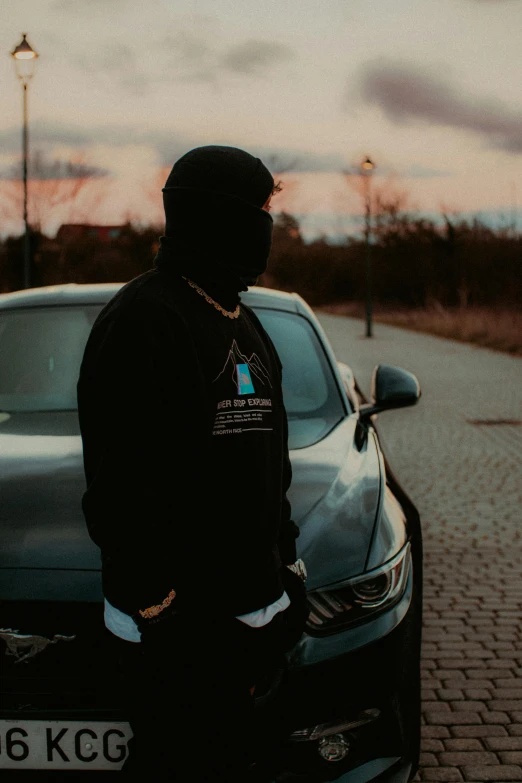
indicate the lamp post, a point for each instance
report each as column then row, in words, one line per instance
column 367, row 167
column 24, row 57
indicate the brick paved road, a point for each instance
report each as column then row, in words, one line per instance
column 466, row 480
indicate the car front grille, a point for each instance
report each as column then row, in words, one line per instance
column 68, row 675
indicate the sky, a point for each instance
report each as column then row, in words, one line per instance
column 431, row 90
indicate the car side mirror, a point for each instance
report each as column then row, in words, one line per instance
column 392, row 387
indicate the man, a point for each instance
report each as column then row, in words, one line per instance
column 186, row 459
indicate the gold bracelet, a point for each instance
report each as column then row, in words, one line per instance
column 299, row 568
column 153, row 611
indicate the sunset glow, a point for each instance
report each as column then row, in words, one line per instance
column 429, row 92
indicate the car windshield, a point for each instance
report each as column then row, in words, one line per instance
column 41, row 349
column 312, row 399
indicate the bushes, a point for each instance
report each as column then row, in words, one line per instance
column 84, row 259
column 415, row 263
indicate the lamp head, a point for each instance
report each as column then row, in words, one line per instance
column 24, row 57
column 367, row 165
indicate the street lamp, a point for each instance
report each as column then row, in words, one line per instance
column 367, row 167
column 24, row 57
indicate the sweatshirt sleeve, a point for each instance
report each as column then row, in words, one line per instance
column 289, row 530
column 141, row 503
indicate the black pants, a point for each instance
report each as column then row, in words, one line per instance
column 188, row 692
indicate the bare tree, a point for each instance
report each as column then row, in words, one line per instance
column 55, row 189
column 279, row 165
column 152, row 191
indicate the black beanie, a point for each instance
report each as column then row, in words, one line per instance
column 226, row 170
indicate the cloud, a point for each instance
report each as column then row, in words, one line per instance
column 45, row 135
column 408, row 93
column 418, row 171
column 279, row 160
column 185, row 48
column 74, row 7
column 283, row 160
column 119, row 62
column 253, row 57
column 44, row 168
column 184, row 56
column 189, row 57
column 117, row 57
column 169, row 145
column 192, row 57
column 107, row 59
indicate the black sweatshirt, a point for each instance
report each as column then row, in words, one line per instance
column 185, row 451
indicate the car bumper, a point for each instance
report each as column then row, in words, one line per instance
column 379, row 679
column 332, row 679
column 382, row 770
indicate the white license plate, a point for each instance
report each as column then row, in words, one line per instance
column 40, row 744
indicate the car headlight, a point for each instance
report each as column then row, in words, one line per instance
column 359, row 598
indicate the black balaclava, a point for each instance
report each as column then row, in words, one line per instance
column 216, row 232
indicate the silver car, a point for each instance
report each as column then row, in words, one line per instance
column 348, row 700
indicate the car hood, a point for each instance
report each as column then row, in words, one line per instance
column 42, row 525
column 334, row 497
column 42, row 482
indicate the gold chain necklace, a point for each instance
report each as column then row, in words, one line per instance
column 227, row 313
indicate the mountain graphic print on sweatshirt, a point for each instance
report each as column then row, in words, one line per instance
column 245, row 402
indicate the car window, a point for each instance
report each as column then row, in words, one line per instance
column 312, row 398
column 41, row 350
